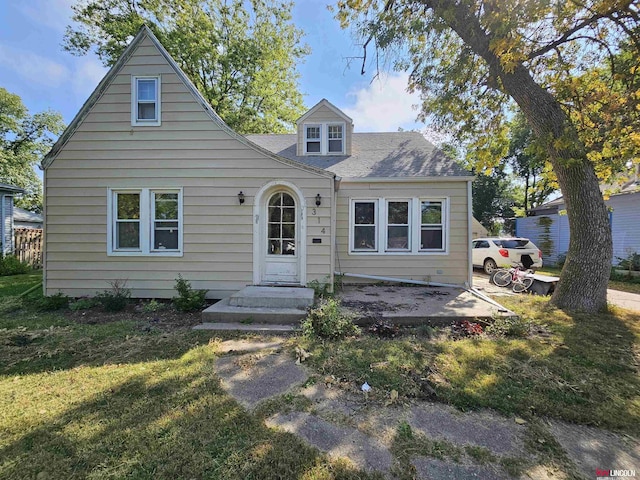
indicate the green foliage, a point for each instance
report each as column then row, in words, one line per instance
column 329, row 320
column 10, row 265
column 242, row 56
column 86, row 303
column 53, row 302
column 631, row 262
column 321, row 289
column 188, row 299
column 116, row 298
column 24, row 140
column 153, row 306
column 513, row 326
column 493, row 200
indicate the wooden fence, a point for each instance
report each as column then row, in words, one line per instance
column 28, row 245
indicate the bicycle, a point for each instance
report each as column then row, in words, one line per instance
column 515, row 276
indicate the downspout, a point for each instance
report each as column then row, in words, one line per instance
column 2, row 227
column 44, row 231
column 469, row 236
column 472, row 291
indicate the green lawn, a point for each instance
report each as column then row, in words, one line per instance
column 631, row 286
column 16, row 284
column 126, row 399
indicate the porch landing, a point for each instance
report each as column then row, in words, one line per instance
column 274, row 305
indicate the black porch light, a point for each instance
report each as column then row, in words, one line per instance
column 241, row 197
column 318, row 200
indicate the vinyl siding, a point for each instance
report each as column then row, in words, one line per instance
column 6, row 214
column 187, row 151
column 445, row 268
column 322, row 115
column 625, row 225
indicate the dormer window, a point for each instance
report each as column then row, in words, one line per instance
column 313, row 138
column 145, row 101
column 324, row 139
column 336, row 139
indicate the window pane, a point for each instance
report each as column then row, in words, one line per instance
column 146, row 111
column 289, row 245
column 275, row 200
column 128, row 206
column 398, row 213
column 287, row 200
column 335, row 131
column 274, row 230
column 335, row 146
column 398, row 237
column 431, row 239
column 166, row 206
column 288, row 230
column 274, row 214
column 288, row 214
column 313, row 132
column 164, row 237
column 127, row 235
column 147, row 90
column 275, row 246
column 431, row 213
column 365, row 213
column 313, row 147
column 364, row 237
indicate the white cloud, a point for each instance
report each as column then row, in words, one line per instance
column 87, row 75
column 55, row 14
column 384, row 105
column 33, row 67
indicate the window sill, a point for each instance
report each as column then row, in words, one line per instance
column 145, row 254
column 382, row 254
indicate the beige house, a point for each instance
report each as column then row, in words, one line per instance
column 147, row 182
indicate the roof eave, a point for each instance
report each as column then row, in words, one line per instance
column 411, row 179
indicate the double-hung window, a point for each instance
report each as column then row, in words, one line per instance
column 145, row 221
column 145, row 101
column 336, row 139
column 313, row 138
column 398, row 226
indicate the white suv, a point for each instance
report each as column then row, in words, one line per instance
column 493, row 253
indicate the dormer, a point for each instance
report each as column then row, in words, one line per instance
column 324, row 130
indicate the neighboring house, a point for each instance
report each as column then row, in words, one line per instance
column 147, row 182
column 548, row 225
column 477, row 229
column 25, row 219
column 6, row 217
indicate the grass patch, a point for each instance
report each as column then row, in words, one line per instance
column 126, row 399
column 17, row 284
column 575, row 367
column 631, row 286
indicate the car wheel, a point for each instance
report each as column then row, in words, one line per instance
column 490, row 266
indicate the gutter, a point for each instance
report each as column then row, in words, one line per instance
column 472, row 291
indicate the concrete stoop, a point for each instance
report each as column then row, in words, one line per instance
column 274, row 305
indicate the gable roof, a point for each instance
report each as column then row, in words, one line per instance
column 22, row 215
column 10, row 188
column 374, row 155
column 115, row 69
column 324, row 103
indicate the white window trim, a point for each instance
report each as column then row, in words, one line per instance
column 410, row 229
column 146, row 223
column 135, row 121
column 324, row 137
column 352, row 216
column 414, row 226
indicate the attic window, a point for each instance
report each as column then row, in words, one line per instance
column 145, row 101
column 312, row 139
column 335, row 139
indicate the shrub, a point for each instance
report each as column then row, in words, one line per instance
column 188, row 299
column 631, row 262
column 329, row 320
column 84, row 304
column 152, row 306
column 115, row 299
column 10, row 265
column 509, row 327
column 321, row 289
column 53, row 302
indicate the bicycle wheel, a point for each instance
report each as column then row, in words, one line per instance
column 502, row 278
column 522, row 285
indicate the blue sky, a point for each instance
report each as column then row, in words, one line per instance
column 34, row 66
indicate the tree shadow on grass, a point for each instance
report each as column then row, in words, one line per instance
column 165, row 419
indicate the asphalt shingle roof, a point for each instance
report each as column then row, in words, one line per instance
column 393, row 154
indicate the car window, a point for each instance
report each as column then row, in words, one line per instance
column 480, row 244
column 511, row 242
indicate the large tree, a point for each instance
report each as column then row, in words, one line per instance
column 241, row 55
column 24, row 140
column 472, row 59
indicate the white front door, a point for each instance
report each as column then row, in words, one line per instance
column 281, row 234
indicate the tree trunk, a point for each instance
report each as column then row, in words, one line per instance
column 584, row 278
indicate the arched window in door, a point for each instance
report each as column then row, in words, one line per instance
column 281, row 227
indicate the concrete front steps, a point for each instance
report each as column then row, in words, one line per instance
column 274, row 305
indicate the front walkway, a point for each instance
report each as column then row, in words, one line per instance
column 422, row 439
